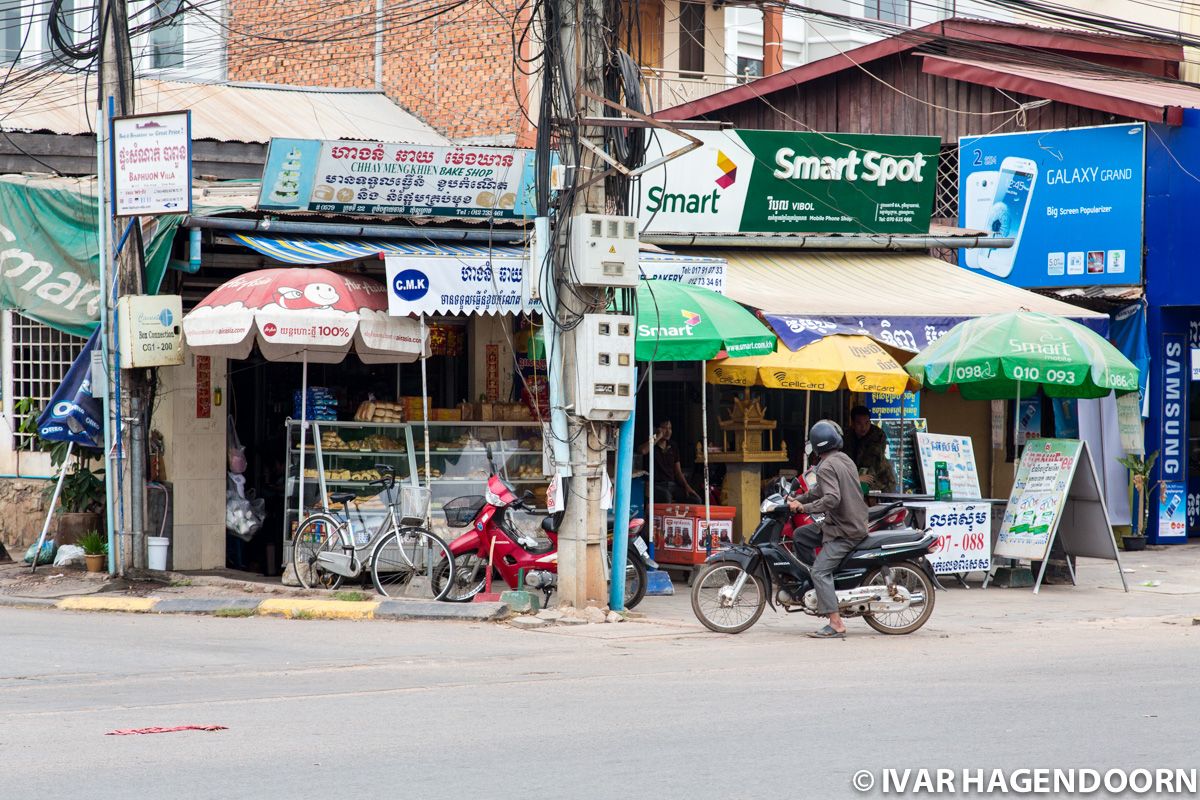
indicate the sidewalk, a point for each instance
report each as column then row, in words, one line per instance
column 1164, row 584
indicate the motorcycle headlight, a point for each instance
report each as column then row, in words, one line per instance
column 768, row 506
column 493, row 499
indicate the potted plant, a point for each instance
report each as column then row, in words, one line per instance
column 95, row 550
column 1139, row 478
column 81, row 498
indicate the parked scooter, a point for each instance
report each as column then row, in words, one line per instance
column 494, row 539
column 886, row 580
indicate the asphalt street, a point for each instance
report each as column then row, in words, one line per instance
column 1081, row 676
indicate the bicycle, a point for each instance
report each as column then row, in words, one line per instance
column 325, row 548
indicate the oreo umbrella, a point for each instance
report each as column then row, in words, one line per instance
column 73, row 416
column 302, row 314
column 682, row 322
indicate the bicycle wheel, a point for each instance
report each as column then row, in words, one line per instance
column 317, row 533
column 403, row 561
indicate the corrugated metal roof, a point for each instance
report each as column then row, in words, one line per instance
column 64, row 103
column 853, row 284
column 1130, row 94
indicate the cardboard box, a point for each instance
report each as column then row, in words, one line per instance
column 679, row 535
column 446, row 414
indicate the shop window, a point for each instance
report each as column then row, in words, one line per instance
column 39, row 357
column 896, row 11
column 166, row 38
column 945, row 199
column 10, row 30
column 691, row 37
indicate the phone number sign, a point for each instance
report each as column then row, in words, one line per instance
column 1071, row 200
column 964, row 532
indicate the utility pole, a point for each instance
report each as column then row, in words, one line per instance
column 582, row 534
column 115, row 80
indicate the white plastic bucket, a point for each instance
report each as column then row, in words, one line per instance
column 156, row 552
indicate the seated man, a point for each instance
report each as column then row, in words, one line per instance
column 867, row 447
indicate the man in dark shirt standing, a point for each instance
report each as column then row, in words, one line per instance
column 836, row 495
column 670, row 486
column 867, row 447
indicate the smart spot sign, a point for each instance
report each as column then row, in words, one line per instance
column 792, row 182
column 1071, row 200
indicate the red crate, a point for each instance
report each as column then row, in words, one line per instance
column 679, row 530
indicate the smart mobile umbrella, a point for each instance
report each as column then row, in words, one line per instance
column 1011, row 355
column 303, row 314
column 682, row 322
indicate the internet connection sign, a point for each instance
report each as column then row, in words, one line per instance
column 793, row 182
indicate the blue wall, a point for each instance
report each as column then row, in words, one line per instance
column 1173, row 295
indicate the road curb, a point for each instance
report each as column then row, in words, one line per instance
column 7, row 601
column 317, row 609
column 421, row 610
column 137, row 605
column 205, row 605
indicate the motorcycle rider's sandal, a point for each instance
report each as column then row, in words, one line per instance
column 827, row 633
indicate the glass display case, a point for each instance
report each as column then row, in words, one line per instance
column 346, row 460
column 459, row 464
column 350, row 451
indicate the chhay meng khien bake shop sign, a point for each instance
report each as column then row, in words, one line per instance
column 397, row 179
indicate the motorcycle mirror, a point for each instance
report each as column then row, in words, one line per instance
column 527, row 497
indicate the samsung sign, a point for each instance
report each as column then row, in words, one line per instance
column 1173, row 461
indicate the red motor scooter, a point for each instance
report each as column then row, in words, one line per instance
column 494, row 539
column 893, row 516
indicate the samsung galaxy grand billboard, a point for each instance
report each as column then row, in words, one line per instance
column 1070, row 199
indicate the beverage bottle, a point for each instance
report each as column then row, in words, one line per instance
column 941, row 482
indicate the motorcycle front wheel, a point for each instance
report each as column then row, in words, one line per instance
column 467, row 575
column 912, row 577
column 718, row 602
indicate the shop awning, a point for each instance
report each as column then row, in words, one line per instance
column 902, row 299
column 293, row 250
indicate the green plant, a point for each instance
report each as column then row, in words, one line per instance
column 82, row 488
column 1139, row 478
column 93, row 544
column 27, row 411
column 351, row 597
column 234, row 612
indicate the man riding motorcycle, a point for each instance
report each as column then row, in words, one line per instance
column 836, row 494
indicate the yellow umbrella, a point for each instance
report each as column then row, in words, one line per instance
column 853, row 362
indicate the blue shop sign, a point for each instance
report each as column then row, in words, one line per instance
column 1175, row 376
column 888, row 406
column 1071, row 199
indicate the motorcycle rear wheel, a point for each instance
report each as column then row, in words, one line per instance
column 912, row 577
column 707, row 601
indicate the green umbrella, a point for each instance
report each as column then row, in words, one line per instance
column 680, row 322
column 1001, row 356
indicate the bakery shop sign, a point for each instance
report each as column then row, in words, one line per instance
column 384, row 179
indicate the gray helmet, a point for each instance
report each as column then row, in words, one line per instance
column 825, row 436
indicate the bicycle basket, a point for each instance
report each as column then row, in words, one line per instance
column 414, row 500
column 461, row 511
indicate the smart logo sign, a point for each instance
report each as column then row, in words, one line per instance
column 789, row 181
column 1071, row 200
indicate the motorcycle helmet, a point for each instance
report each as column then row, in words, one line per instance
column 825, row 435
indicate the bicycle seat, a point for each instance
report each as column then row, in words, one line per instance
column 341, row 498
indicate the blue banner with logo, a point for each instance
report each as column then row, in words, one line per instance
column 1071, row 200
column 1129, row 336
column 913, row 333
column 73, row 414
column 1172, row 461
column 890, row 406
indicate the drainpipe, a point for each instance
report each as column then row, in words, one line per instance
column 379, row 45
column 772, row 39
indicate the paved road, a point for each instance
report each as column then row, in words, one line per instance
column 1079, row 677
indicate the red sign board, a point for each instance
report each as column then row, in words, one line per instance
column 203, row 387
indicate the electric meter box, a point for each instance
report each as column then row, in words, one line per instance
column 150, row 330
column 604, row 250
column 604, row 389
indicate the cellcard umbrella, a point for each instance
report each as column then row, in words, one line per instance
column 840, row 361
column 682, row 322
column 303, row 314
column 1011, row 355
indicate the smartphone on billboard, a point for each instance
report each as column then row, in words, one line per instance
column 977, row 205
column 1006, row 218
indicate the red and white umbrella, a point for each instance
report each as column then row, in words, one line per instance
column 302, row 315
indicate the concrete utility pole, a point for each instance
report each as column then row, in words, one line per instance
column 583, row 531
column 115, row 79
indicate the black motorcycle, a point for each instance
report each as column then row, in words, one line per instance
column 886, row 580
